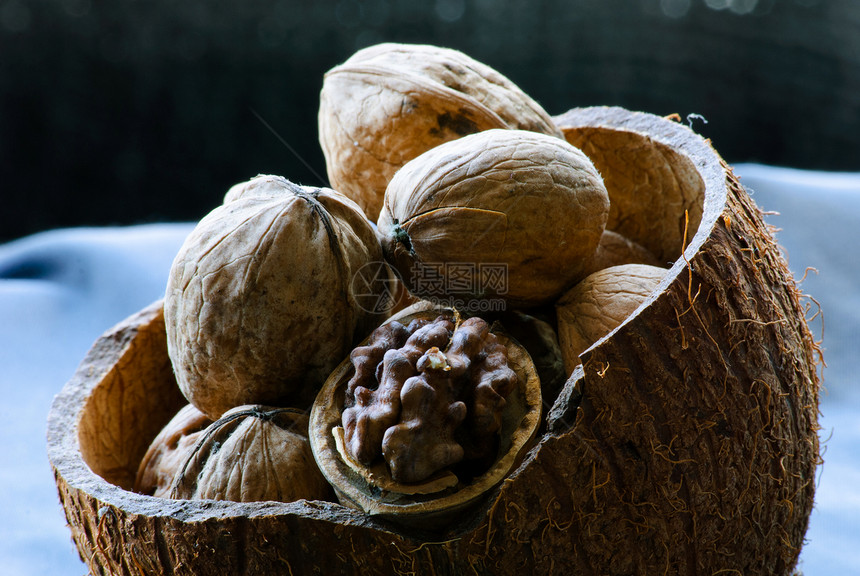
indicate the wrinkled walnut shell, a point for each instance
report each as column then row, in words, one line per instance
column 259, row 306
column 441, row 497
column 599, row 304
column 252, row 454
column 169, row 450
column 528, row 205
column 616, row 250
column 390, row 102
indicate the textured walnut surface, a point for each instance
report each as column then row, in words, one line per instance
column 615, row 249
column 167, row 453
column 600, row 303
column 252, row 454
column 390, row 102
column 527, row 202
column 258, row 305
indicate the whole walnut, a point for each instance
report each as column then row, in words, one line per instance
column 599, row 304
column 253, row 453
column 390, row 102
column 507, row 214
column 259, row 306
column 169, row 450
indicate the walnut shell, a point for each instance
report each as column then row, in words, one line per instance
column 390, row 102
column 252, row 454
column 431, row 502
column 169, row 450
column 528, row 206
column 615, row 250
column 259, row 307
column 599, row 304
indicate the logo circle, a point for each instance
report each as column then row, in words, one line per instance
column 375, row 287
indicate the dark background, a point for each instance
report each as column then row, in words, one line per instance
column 135, row 111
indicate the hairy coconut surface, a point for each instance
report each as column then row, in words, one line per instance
column 686, row 444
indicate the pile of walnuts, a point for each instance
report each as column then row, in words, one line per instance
column 437, row 164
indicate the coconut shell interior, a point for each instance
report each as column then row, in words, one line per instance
column 686, row 443
column 656, row 192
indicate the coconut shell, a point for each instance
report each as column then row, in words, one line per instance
column 390, row 102
column 259, row 303
column 685, row 444
column 528, row 204
column 658, row 226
